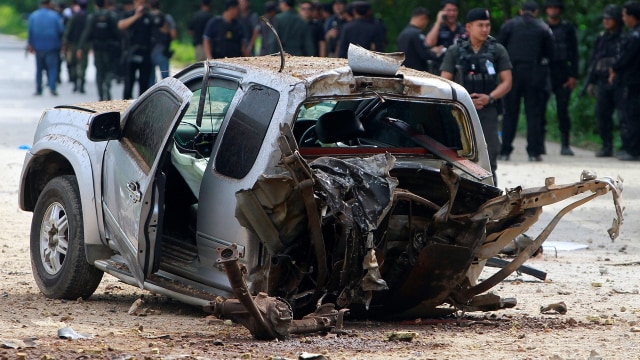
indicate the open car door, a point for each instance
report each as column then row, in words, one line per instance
column 133, row 184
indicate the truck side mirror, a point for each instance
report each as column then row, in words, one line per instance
column 104, row 126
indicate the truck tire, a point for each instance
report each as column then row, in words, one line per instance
column 58, row 260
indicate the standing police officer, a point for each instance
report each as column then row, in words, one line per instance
column 563, row 68
column 625, row 72
column 606, row 50
column 76, row 66
column 477, row 64
column 411, row 41
column 292, row 30
column 529, row 42
column 362, row 30
column 444, row 32
column 196, row 26
column 223, row 36
column 139, row 25
column 102, row 33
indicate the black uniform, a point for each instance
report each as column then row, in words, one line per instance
column 446, row 38
column 138, row 53
column 248, row 23
column 417, row 55
column 606, row 51
column 226, row 38
column 563, row 66
column 317, row 35
column 627, row 68
column 529, row 42
column 333, row 22
column 71, row 39
column 363, row 32
column 197, row 24
column 103, row 34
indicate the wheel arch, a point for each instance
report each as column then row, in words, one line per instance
column 56, row 156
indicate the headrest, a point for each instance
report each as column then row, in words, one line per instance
column 340, row 125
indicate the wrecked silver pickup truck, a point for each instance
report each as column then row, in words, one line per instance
column 281, row 195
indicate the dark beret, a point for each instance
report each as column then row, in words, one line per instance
column 230, row 3
column 529, row 6
column 478, row 14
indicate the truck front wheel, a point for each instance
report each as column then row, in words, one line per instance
column 58, row 259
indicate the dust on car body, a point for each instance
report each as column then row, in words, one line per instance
column 283, row 199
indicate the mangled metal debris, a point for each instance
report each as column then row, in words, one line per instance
column 341, row 231
column 70, row 334
column 387, row 209
column 265, row 316
column 18, row 343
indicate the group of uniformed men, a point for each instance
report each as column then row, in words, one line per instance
column 529, row 58
column 129, row 42
column 533, row 59
column 314, row 29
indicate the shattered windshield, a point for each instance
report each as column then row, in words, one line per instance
column 382, row 123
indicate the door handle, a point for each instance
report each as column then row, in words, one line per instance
column 134, row 191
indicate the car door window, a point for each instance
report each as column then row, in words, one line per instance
column 147, row 126
column 193, row 142
column 246, row 131
column 220, row 93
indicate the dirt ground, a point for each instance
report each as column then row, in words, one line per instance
column 599, row 286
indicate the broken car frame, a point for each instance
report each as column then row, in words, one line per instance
column 490, row 228
column 282, row 198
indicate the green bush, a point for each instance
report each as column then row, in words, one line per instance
column 11, row 22
column 183, row 53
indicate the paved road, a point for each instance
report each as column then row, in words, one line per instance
column 20, row 111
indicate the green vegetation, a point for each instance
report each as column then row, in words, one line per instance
column 183, row 53
column 586, row 14
column 11, row 22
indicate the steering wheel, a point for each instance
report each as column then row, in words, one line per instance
column 203, row 144
column 185, row 135
column 309, row 138
column 189, row 139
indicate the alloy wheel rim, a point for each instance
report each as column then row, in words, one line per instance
column 54, row 235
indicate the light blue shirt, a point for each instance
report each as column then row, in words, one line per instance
column 45, row 30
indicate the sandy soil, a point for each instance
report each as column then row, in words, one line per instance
column 601, row 294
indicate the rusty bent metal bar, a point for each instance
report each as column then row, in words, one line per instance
column 532, row 198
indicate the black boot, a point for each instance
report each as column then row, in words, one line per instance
column 564, row 148
column 606, row 151
column 81, row 87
